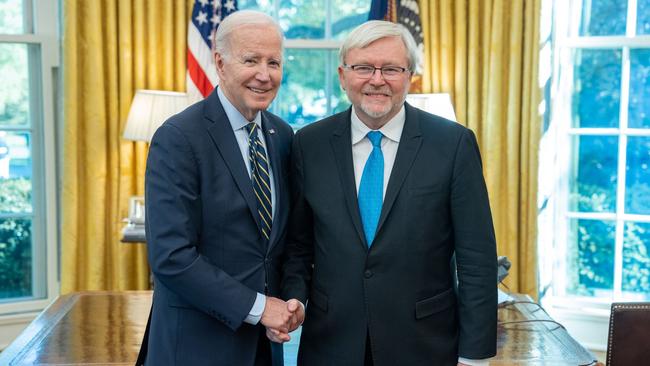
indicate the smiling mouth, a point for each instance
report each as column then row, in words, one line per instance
column 376, row 94
column 258, row 91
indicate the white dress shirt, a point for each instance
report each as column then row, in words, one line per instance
column 238, row 123
column 361, row 149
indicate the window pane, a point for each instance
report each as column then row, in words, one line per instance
column 639, row 112
column 643, row 17
column 304, row 19
column 15, row 172
column 596, row 88
column 637, row 181
column 340, row 101
column 636, row 261
column 14, row 88
column 346, row 15
column 265, row 6
column 592, row 182
column 603, row 17
column 15, row 258
column 11, row 16
column 302, row 99
column 590, row 262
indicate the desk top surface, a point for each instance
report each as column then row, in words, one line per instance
column 84, row 328
column 107, row 328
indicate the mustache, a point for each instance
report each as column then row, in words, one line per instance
column 382, row 90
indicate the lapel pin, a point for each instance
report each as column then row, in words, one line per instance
column 271, row 131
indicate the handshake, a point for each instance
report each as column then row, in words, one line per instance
column 280, row 318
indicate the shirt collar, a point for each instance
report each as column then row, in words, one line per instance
column 392, row 129
column 237, row 120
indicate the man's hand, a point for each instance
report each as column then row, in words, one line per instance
column 276, row 315
column 276, row 336
column 296, row 315
column 298, row 311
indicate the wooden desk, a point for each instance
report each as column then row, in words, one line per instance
column 107, row 327
column 526, row 335
column 84, row 328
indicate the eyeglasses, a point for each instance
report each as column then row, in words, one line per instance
column 367, row 71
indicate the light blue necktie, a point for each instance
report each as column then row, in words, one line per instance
column 371, row 189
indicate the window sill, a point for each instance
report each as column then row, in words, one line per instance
column 587, row 320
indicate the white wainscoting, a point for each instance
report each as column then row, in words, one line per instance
column 12, row 325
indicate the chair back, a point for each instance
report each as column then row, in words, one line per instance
column 629, row 334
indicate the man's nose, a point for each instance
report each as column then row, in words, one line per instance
column 263, row 73
column 377, row 78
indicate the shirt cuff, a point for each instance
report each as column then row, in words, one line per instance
column 303, row 311
column 257, row 310
column 482, row 362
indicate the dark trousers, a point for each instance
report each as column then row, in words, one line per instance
column 268, row 353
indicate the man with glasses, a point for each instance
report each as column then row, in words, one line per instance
column 384, row 195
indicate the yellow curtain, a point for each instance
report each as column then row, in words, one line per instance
column 485, row 54
column 110, row 49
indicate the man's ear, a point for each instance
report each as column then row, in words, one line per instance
column 219, row 62
column 341, row 77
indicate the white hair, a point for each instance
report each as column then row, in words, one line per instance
column 373, row 30
column 237, row 19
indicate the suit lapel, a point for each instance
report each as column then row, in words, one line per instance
column 272, row 151
column 407, row 150
column 341, row 142
column 223, row 136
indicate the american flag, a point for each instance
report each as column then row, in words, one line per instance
column 407, row 13
column 201, row 73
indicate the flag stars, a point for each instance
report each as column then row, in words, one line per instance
column 216, row 4
column 230, row 5
column 202, row 18
column 203, row 2
column 215, row 20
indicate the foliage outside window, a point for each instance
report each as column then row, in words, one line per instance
column 313, row 31
column 594, row 217
column 28, row 275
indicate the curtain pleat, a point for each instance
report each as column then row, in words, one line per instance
column 110, row 49
column 485, row 53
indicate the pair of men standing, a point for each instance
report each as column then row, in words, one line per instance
column 379, row 199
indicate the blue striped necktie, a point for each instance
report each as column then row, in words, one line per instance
column 260, row 177
column 371, row 188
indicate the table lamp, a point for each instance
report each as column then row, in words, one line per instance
column 149, row 109
column 436, row 103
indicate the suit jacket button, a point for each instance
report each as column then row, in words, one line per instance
column 367, row 273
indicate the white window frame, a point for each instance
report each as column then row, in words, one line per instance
column 585, row 317
column 44, row 16
column 325, row 44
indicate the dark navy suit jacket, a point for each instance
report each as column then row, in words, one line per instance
column 400, row 292
column 204, row 242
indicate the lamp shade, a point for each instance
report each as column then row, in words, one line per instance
column 437, row 103
column 149, row 109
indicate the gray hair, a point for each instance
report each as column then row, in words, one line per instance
column 373, row 30
column 237, row 19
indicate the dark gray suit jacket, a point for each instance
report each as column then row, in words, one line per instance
column 204, row 238
column 401, row 290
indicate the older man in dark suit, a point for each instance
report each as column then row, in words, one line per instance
column 217, row 203
column 385, row 194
